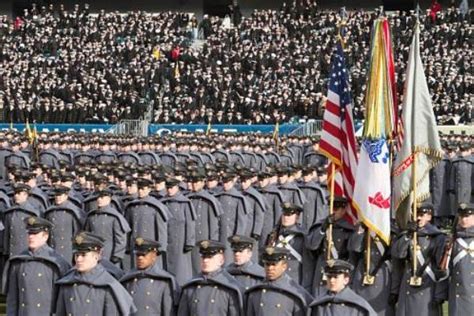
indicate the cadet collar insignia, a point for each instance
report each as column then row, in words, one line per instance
column 331, row 263
column 79, row 239
column 31, row 221
column 463, row 206
column 270, row 250
column 205, row 244
column 139, row 241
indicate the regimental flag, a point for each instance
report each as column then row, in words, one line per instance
column 29, row 132
column 421, row 138
column 176, row 71
column 208, row 130
column 372, row 192
column 337, row 140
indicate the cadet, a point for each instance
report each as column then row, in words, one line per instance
column 460, row 177
column 153, row 289
column 14, row 235
column 317, row 241
column 107, row 222
column 89, row 288
column 67, row 219
column 148, row 218
column 278, row 294
column 29, row 278
column 291, row 192
column 214, row 291
column 421, row 298
column 182, row 235
column 315, row 207
column 208, row 214
column 246, row 272
column 461, row 265
column 339, row 299
column 235, row 218
column 291, row 236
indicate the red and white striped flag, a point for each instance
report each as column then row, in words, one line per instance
column 338, row 138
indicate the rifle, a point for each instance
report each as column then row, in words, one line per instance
column 273, row 235
column 444, row 262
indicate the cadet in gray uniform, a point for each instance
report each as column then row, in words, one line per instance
column 208, row 215
column 214, row 291
column 29, row 278
column 14, row 235
column 244, row 270
column 339, row 299
column 236, row 209
column 317, row 242
column 291, row 236
column 68, row 220
column 89, row 289
column 182, row 232
column 153, row 289
column 148, row 218
column 461, row 178
column 107, row 222
column 315, row 208
column 461, row 264
column 278, row 294
column 426, row 298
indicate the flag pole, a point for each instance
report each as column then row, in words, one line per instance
column 331, row 211
column 415, row 280
column 368, row 279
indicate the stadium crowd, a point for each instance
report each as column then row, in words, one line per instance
column 180, row 224
column 72, row 66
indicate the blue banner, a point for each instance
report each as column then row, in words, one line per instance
column 156, row 128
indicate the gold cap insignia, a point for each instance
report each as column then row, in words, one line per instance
column 205, row 244
column 31, row 221
column 463, row 206
column 331, row 263
column 236, row 239
column 139, row 241
column 79, row 239
column 270, row 250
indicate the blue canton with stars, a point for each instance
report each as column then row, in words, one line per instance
column 339, row 82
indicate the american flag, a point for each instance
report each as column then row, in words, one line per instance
column 338, row 140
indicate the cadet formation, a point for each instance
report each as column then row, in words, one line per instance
column 220, row 224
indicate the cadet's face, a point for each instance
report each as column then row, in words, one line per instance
column 212, row 264
column 61, row 198
column 423, row 219
column 20, row 197
column 275, row 270
column 143, row 192
column 197, row 186
column 103, row 201
column 289, row 219
column 339, row 213
column 337, row 282
column 466, row 221
column 132, row 189
column 228, row 185
column 37, row 240
column 86, row 261
column 172, row 191
column 146, row 260
column 243, row 256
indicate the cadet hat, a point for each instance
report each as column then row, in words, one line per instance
column 144, row 183
column 171, row 182
column 228, row 176
column 275, row 254
column 67, row 176
column 465, row 209
column 21, row 187
column 339, row 201
column 144, row 246
column 36, row 224
column 86, row 241
column 209, row 248
column 425, row 207
column 246, row 175
column 196, row 176
column 264, row 175
column 240, row 242
column 336, row 266
column 61, row 189
column 105, row 192
column 212, row 175
column 307, row 170
column 290, row 208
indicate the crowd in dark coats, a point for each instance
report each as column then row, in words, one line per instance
column 73, row 66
